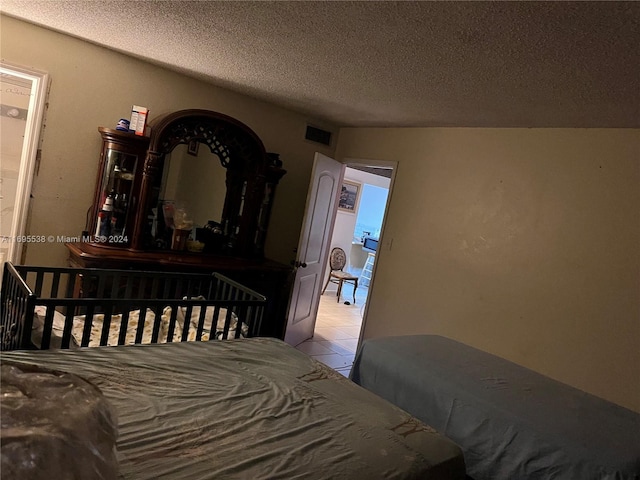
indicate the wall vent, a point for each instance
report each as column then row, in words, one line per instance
column 318, row 135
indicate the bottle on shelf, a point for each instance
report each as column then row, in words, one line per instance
column 119, row 214
column 103, row 228
column 101, row 217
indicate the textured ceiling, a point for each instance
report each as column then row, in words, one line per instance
column 494, row 64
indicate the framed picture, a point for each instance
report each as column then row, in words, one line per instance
column 349, row 196
column 192, row 148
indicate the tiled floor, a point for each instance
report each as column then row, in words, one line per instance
column 337, row 330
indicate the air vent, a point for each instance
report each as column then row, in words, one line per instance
column 318, row 135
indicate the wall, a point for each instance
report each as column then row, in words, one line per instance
column 92, row 86
column 520, row 242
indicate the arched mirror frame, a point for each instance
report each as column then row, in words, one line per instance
column 240, row 151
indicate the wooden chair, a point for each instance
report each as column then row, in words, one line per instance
column 337, row 261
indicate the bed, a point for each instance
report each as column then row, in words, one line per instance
column 249, row 408
column 48, row 307
column 509, row 421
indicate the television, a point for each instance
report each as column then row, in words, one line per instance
column 370, row 244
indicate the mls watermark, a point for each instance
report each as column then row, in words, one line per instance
column 64, row 239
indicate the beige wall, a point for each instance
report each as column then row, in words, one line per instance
column 521, row 242
column 91, row 87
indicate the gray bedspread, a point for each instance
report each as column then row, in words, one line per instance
column 250, row 409
column 511, row 422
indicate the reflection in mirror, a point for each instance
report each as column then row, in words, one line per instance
column 194, row 179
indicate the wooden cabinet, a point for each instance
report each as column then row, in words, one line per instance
column 203, row 176
column 117, row 190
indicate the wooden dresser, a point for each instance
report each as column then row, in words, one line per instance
column 203, row 176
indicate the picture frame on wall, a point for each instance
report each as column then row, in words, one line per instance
column 349, row 196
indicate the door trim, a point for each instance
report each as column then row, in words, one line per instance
column 384, row 243
column 28, row 159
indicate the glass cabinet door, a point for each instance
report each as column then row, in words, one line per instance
column 115, row 197
column 117, row 187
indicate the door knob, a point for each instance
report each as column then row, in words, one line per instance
column 298, row 264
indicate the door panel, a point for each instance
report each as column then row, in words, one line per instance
column 313, row 248
column 320, row 221
column 303, row 299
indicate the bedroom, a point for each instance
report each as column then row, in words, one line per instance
column 522, row 242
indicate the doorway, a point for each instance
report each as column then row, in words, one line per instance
column 22, row 106
column 339, row 321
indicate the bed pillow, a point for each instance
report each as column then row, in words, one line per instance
column 207, row 325
column 208, row 322
column 57, row 329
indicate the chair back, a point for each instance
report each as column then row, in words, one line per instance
column 337, row 259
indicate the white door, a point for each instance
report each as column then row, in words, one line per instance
column 313, row 249
column 23, row 104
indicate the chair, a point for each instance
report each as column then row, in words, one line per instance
column 337, row 261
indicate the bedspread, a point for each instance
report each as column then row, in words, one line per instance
column 511, row 422
column 250, row 409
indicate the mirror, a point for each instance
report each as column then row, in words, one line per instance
column 227, row 187
column 195, row 180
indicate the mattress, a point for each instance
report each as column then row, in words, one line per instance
column 249, row 408
column 509, row 421
column 146, row 323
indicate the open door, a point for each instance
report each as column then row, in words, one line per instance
column 23, row 104
column 313, row 248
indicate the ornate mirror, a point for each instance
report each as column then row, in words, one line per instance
column 208, row 175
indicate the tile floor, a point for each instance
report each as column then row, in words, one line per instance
column 337, row 329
